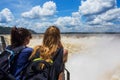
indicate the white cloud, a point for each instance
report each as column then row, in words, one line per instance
column 73, row 20
column 23, row 23
column 97, row 12
column 69, row 23
column 110, row 15
column 76, row 14
column 96, row 6
column 48, row 9
column 6, row 15
column 100, row 12
column 41, row 27
column 64, row 21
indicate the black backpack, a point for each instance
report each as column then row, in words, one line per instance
column 49, row 72
column 7, row 58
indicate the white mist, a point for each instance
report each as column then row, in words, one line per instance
column 98, row 59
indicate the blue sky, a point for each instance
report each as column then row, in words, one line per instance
column 68, row 15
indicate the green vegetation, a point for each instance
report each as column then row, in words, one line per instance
column 7, row 30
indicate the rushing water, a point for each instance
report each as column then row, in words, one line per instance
column 91, row 56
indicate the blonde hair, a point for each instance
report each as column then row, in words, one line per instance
column 51, row 42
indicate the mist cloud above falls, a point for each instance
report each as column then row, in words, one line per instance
column 99, row 61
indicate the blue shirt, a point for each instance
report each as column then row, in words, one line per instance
column 21, row 61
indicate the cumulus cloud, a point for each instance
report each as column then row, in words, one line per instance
column 100, row 12
column 6, row 16
column 65, row 21
column 48, row 9
column 98, row 15
column 92, row 15
column 69, row 23
column 96, row 6
column 73, row 20
column 107, row 17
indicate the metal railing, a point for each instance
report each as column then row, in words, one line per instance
column 67, row 74
column 2, row 43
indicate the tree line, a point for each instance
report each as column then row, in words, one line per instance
column 7, row 30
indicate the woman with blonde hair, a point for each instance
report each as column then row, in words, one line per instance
column 52, row 51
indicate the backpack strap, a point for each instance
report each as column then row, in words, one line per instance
column 58, row 53
column 11, row 53
column 58, row 65
column 39, row 59
column 18, row 49
column 14, row 51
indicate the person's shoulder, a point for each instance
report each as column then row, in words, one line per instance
column 27, row 49
column 37, row 47
column 65, row 51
